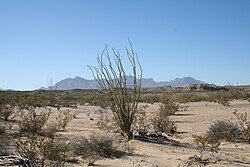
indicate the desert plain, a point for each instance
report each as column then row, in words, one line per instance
column 195, row 120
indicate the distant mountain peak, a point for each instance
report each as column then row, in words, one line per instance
column 81, row 83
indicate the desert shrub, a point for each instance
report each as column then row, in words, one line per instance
column 55, row 151
column 6, row 109
column 206, row 144
column 162, row 124
column 244, row 125
column 42, row 151
column 27, row 149
column 168, row 107
column 103, row 145
column 95, row 148
column 6, row 112
column 150, row 98
column 188, row 97
column 50, row 129
column 224, row 130
column 220, row 97
column 113, row 81
column 142, row 123
column 157, row 123
column 68, row 100
column 107, row 124
column 208, row 147
column 3, row 149
column 32, row 121
column 224, row 101
column 64, row 118
column 2, row 128
column 4, row 144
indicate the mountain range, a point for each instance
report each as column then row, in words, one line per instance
column 81, row 83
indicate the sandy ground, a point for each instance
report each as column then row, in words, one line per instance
column 195, row 120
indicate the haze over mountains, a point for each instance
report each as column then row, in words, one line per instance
column 81, row 83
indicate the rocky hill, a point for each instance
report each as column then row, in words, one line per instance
column 81, row 83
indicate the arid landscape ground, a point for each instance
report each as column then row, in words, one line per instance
column 166, row 150
column 195, row 120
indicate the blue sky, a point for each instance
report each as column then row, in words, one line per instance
column 206, row 39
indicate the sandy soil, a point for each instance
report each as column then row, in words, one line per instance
column 195, row 120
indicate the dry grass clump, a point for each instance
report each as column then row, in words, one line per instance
column 168, row 107
column 185, row 97
column 156, row 123
column 6, row 111
column 96, row 147
column 208, row 148
column 40, row 151
column 142, row 123
column 36, row 122
column 64, row 118
column 161, row 123
column 50, row 129
column 61, row 121
column 32, row 121
column 107, row 123
column 2, row 128
column 206, row 144
column 4, row 140
column 244, row 125
column 4, row 144
column 224, row 130
column 150, row 98
column 38, row 144
column 221, row 97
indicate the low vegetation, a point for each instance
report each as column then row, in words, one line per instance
column 40, row 151
column 224, row 130
column 32, row 121
column 228, row 131
column 244, row 125
column 112, row 79
column 96, row 147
